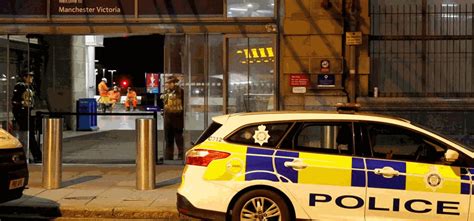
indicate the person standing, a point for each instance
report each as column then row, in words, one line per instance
column 104, row 100
column 22, row 105
column 102, row 87
column 173, row 99
column 131, row 99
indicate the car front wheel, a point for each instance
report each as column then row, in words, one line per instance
column 260, row 205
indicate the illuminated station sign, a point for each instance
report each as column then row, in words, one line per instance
column 141, row 8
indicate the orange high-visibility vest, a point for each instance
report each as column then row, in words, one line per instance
column 103, row 89
column 132, row 95
column 114, row 96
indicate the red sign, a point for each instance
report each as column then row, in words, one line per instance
column 298, row 80
column 325, row 65
column 152, row 83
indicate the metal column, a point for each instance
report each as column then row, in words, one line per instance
column 146, row 156
column 52, row 153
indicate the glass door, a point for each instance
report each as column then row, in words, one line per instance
column 250, row 74
column 197, row 61
column 203, row 82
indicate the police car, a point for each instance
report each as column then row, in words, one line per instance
column 325, row 166
column 13, row 167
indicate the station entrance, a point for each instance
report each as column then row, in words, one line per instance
column 220, row 74
column 224, row 54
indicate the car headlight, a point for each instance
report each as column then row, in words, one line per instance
column 8, row 141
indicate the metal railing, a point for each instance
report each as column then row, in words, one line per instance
column 422, row 49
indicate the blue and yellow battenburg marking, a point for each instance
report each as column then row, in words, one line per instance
column 268, row 164
column 250, row 163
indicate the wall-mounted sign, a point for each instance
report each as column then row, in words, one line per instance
column 23, row 7
column 145, row 8
column 299, row 80
column 299, row 90
column 354, row 38
column 89, row 7
column 152, row 83
column 326, row 80
column 325, row 66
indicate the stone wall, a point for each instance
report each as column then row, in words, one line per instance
column 312, row 31
column 65, row 75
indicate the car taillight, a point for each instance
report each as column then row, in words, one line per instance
column 201, row 157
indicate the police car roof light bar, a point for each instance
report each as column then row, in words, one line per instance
column 347, row 108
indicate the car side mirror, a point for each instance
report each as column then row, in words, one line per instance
column 451, row 155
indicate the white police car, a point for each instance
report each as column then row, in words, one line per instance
column 325, row 166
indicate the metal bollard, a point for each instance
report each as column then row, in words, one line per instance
column 52, row 153
column 146, row 142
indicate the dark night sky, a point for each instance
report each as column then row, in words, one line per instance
column 131, row 56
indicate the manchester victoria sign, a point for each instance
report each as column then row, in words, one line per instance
column 83, row 7
column 145, row 8
column 89, row 10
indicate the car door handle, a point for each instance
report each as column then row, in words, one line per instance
column 387, row 172
column 296, row 164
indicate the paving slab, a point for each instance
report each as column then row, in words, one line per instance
column 99, row 191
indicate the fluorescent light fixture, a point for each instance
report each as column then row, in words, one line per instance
column 449, row 16
column 262, row 52
column 238, row 9
column 449, row 5
column 255, row 53
column 270, row 52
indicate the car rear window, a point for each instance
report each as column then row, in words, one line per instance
column 273, row 131
column 208, row 132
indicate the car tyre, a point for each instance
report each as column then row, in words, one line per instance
column 260, row 205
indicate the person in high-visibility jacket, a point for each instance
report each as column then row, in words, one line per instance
column 104, row 100
column 114, row 96
column 131, row 99
column 103, row 89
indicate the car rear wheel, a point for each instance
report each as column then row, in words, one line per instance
column 260, row 205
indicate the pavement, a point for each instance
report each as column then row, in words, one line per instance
column 98, row 178
column 98, row 192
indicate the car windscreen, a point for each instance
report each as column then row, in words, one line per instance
column 208, row 132
column 466, row 146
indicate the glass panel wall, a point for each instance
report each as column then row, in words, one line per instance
column 195, row 95
column 238, row 75
column 13, row 59
column 174, row 65
column 251, row 69
column 198, row 62
column 215, row 77
column 261, row 74
column 4, row 84
column 250, row 8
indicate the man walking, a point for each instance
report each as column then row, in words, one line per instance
column 22, row 105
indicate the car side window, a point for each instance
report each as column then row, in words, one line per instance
column 256, row 135
column 336, row 138
column 397, row 143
